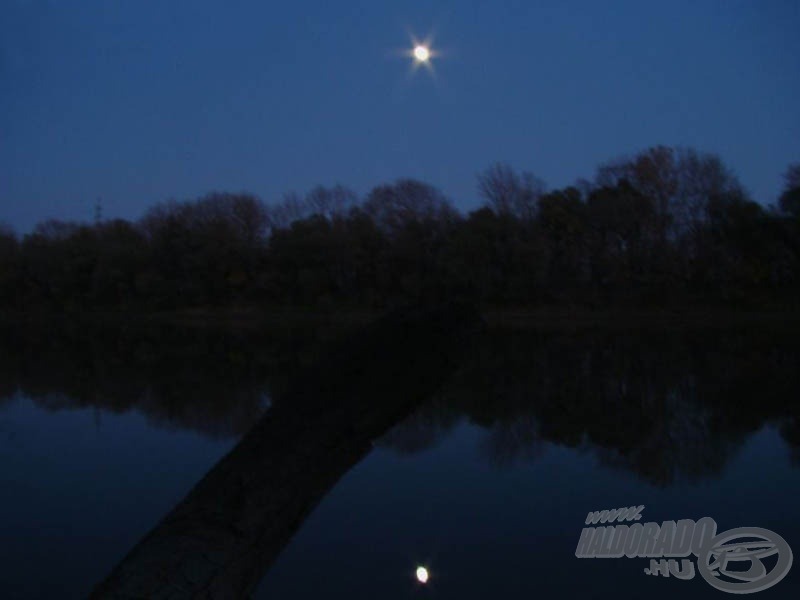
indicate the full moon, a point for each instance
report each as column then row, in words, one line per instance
column 421, row 53
column 422, row 574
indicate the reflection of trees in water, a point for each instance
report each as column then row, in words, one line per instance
column 214, row 382
column 665, row 405
column 422, row 430
column 8, row 389
column 514, row 440
column 680, row 445
column 231, row 412
column 790, row 431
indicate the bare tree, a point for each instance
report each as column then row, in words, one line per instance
column 790, row 198
column 55, row 230
column 331, row 202
column 508, row 192
column 393, row 206
column 681, row 182
column 792, row 176
column 291, row 208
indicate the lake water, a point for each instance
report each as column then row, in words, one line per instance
column 487, row 483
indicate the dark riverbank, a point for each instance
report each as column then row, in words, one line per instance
column 343, row 319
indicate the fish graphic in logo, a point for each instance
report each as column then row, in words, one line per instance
column 732, row 560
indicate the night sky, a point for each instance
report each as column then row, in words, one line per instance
column 138, row 101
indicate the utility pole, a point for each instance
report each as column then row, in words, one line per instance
column 98, row 211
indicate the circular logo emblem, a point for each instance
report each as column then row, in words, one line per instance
column 732, row 561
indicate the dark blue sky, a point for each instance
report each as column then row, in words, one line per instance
column 137, row 102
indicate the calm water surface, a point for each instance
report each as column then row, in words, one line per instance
column 487, row 483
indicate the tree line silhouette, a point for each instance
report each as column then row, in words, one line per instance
column 667, row 226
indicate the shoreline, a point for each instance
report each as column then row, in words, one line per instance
column 494, row 317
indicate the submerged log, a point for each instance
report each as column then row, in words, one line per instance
column 222, row 537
